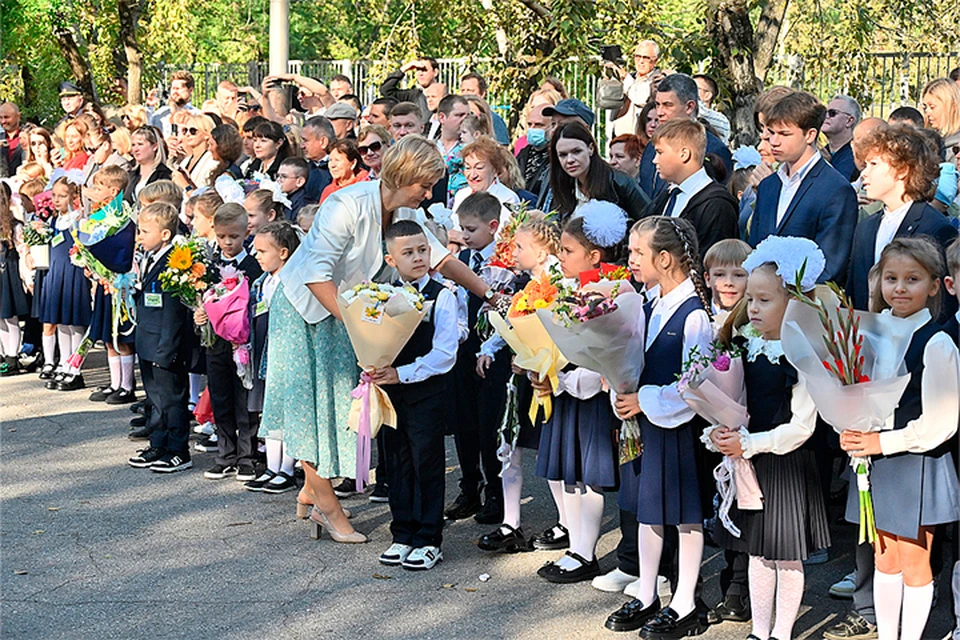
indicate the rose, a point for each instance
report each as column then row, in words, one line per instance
column 722, row 363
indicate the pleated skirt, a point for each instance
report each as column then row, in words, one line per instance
column 577, row 443
column 14, row 302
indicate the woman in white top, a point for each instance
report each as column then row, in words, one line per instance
column 311, row 364
column 482, row 163
column 196, row 169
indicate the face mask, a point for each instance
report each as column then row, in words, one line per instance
column 537, row 137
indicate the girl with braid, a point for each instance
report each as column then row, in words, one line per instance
column 667, row 491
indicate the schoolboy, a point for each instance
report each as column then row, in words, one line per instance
column 724, row 274
column 292, row 176
column 417, row 387
column 480, row 400
column 236, row 435
column 163, row 347
column 680, row 146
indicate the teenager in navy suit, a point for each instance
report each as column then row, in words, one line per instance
column 807, row 197
column 900, row 172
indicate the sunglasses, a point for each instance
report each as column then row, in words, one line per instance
column 249, row 107
column 373, row 147
column 637, row 56
column 833, row 113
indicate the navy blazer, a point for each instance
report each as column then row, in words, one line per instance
column 921, row 220
column 164, row 334
column 824, row 210
column 650, row 181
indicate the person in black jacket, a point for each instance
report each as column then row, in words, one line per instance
column 578, row 174
column 427, row 71
column 680, row 147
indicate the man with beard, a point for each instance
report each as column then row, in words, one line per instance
column 11, row 150
column 181, row 90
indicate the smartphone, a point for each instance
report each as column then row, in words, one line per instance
column 612, row 53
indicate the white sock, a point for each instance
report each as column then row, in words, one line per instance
column 286, row 466
column 114, row 362
column 196, row 387
column 917, row 602
column 887, row 599
column 556, row 489
column 64, row 341
column 763, row 587
column 274, row 454
column 76, row 339
column 11, row 331
column 512, row 479
column 651, row 547
column 126, row 372
column 591, row 515
column 50, row 348
column 691, row 553
column 571, row 508
column 789, row 594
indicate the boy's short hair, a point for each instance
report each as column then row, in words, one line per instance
column 480, row 205
column 112, row 177
column 162, row 191
column 207, row 204
column 685, row 132
column 403, row 229
column 798, row 108
column 906, row 114
column 163, row 213
column 406, row 109
column 298, row 165
column 308, row 211
column 230, row 213
column 447, row 104
column 729, row 252
column 953, row 259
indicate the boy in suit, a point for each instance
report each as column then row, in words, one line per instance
column 292, row 176
column 236, row 433
column 680, row 146
column 163, row 345
column 807, row 197
column 417, row 387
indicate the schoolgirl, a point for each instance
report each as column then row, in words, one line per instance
column 13, row 297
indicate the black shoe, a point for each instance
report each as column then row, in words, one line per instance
column 669, row 626
column 47, row 372
column 380, row 493
column 257, row 483
column 71, row 383
column 10, row 367
column 171, row 463
column 632, row 615
column 100, row 395
column 550, row 541
column 287, row 483
column 732, row 609
column 139, row 406
column 146, row 457
column 463, row 507
column 54, row 380
column 121, row 396
column 588, row 570
column 853, row 627
column 246, row 473
column 138, row 422
column 510, row 542
column 220, row 471
column 143, row 433
column 491, row 512
column 346, row 489
column 207, row 445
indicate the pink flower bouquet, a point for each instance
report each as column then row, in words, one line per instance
column 226, row 306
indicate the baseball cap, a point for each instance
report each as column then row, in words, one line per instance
column 572, row 107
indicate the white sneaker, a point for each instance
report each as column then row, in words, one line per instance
column 613, row 582
column 205, row 429
column 423, row 558
column 396, row 554
column 845, row 587
column 632, row 589
column 663, row 588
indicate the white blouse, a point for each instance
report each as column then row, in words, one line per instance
column 345, row 245
column 503, row 193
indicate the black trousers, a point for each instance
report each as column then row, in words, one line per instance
column 167, row 395
column 236, row 436
column 733, row 577
column 480, row 405
column 417, row 465
column 382, row 473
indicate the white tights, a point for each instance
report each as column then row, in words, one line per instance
column 780, row 582
column 691, row 553
column 10, row 337
column 583, row 508
column 277, row 458
column 512, row 478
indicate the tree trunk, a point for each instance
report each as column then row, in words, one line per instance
column 71, row 52
column 130, row 11
column 729, row 24
column 768, row 32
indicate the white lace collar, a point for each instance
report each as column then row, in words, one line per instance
column 756, row 345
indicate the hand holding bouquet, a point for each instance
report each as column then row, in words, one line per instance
column 37, row 235
column 190, row 272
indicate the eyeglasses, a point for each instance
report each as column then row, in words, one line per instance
column 638, row 56
column 373, row 147
column 833, row 113
column 249, row 107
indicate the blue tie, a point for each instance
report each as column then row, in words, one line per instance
column 671, row 202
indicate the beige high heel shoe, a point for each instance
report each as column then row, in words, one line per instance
column 303, row 511
column 318, row 520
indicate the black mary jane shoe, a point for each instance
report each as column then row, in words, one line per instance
column 587, row 570
column 550, row 541
column 732, row 609
column 512, row 541
column 632, row 615
column 56, row 379
column 71, row 383
column 667, row 625
column 47, row 372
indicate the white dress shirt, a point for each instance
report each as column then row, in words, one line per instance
column 663, row 406
column 441, row 358
column 345, row 245
column 503, row 193
column 580, row 383
column 689, row 188
column 887, row 230
column 790, row 184
column 463, row 296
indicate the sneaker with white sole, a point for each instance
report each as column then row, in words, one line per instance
column 207, row 445
column 663, row 588
column 845, row 587
column 423, row 558
column 220, row 471
column 171, row 463
column 613, row 582
column 396, row 554
column 205, row 429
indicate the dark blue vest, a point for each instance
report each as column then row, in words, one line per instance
column 769, row 392
column 664, row 359
column 420, row 344
column 911, row 405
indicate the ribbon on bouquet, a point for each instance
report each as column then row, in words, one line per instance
column 124, row 306
column 371, row 408
column 509, row 426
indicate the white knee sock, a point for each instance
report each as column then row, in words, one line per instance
column 691, row 553
column 50, row 348
column 63, row 341
column 887, row 599
column 126, row 372
column 763, row 587
column 196, row 387
column 11, row 337
column 512, row 479
column 916, row 609
column 287, row 462
column 651, row 547
column 789, row 594
column 591, row 515
column 274, row 454
column 556, row 489
column 76, row 339
column 571, row 508
column 114, row 362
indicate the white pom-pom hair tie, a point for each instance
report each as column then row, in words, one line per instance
column 790, row 255
column 604, row 223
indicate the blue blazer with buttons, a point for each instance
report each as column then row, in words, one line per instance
column 824, row 210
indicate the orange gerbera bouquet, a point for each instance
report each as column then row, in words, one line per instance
column 540, row 293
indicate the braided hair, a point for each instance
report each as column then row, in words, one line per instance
column 678, row 237
column 546, row 234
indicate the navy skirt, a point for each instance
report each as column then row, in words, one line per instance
column 39, row 276
column 529, row 436
column 577, row 443
column 66, row 291
column 101, row 321
column 668, row 487
column 13, row 299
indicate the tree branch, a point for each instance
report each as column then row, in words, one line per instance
column 537, row 8
column 767, row 33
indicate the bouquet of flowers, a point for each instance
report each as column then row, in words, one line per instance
column 380, row 319
column 37, row 235
column 534, row 349
column 712, row 385
column 190, row 272
column 610, row 272
column 43, row 208
column 601, row 327
column 226, row 304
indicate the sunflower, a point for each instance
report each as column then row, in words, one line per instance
column 180, row 258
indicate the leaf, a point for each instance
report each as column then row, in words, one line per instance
column 471, row 589
column 53, row 508
column 380, row 576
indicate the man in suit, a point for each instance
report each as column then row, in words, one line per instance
column 807, row 197
column 318, row 135
column 677, row 97
column 680, row 146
